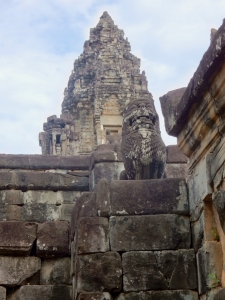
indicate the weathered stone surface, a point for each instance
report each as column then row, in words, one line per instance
column 103, row 197
column 176, row 171
column 209, row 266
column 68, row 197
column 2, row 293
column 165, row 270
column 37, row 292
column 93, row 235
column 142, row 147
column 154, row 196
column 95, row 296
column 169, row 104
column 65, row 212
column 43, row 162
column 85, row 206
column 17, row 238
column 159, row 295
column 40, row 212
column 16, row 270
column 42, row 181
column 204, row 229
column 99, row 272
column 109, row 170
column 175, row 155
column 144, row 232
column 55, row 271
column 53, row 239
column 219, row 204
column 220, row 295
column 199, row 188
column 102, row 156
column 11, row 197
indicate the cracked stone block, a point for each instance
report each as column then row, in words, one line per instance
column 93, row 235
column 160, row 270
column 99, row 272
column 37, row 292
column 147, row 197
column 95, row 296
column 17, row 238
column 159, row 295
column 55, row 271
column 53, row 239
column 144, row 233
column 16, row 270
column 2, row 293
column 209, row 266
column 85, row 206
column 103, row 197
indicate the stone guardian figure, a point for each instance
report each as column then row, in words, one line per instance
column 143, row 150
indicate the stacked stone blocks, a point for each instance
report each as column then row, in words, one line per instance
column 131, row 240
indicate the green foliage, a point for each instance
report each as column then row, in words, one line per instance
column 215, row 234
column 214, row 280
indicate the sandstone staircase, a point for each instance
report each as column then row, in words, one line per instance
column 131, row 240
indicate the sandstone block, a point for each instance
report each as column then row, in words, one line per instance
column 65, row 212
column 40, row 212
column 67, row 197
column 199, row 188
column 144, row 233
column 93, row 235
column 2, row 293
column 219, row 204
column 16, row 270
column 32, row 180
column 220, row 295
column 11, row 197
column 40, row 197
column 164, row 270
column 204, row 229
column 107, row 170
column 175, row 155
column 53, row 239
column 95, row 296
column 155, row 196
column 99, row 272
column 55, row 271
column 209, row 266
column 85, row 206
column 37, row 292
column 103, row 197
column 102, row 156
column 11, row 213
column 159, row 295
column 17, row 238
column 176, row 171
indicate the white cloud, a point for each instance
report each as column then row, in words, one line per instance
column 40, row 40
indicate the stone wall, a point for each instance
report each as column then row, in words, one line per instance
column 132, row 240
column 195, row 115
column 37, row 194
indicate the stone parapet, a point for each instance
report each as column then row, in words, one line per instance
column 44, row 162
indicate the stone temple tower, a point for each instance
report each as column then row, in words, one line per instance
column 106, row 76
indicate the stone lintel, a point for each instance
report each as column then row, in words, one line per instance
column 44, row 162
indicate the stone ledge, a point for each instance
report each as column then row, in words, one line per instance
column 44, row 162
column 31, row 180
column 158, row 295
column 147, row 197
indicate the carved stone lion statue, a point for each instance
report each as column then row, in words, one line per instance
column 143, row 151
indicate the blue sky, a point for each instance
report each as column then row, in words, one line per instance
column 40, row 39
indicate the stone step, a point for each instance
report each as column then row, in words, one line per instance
column 157, row 295
column 155, row 232
column 143, row 197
